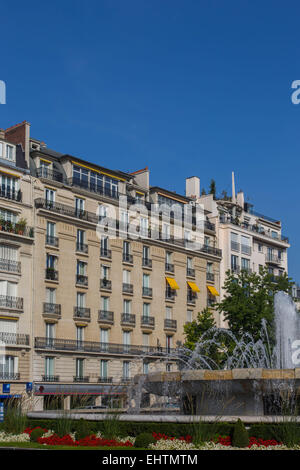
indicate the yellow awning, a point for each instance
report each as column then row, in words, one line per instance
column 213, row 290
column 172, row 283
column 193, row 286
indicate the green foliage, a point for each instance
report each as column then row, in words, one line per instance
column 144, row 440
column 202, row 326
column 249, row 299
column 35, row 434
column 64, row 424
column 212, row 188
column 83, row 429
column 111, row 427
column 240, row 437
column 14, row 419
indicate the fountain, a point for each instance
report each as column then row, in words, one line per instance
column 253, row 380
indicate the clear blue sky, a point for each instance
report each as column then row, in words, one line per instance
column 185, row 87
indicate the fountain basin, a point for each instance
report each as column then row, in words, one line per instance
column 243, row 392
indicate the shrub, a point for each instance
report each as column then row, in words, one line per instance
column 14, row 420
column 64, row 424
column 144, row 440
column 111, row 427
column 36, row 433
column 240, row 436
column 83, row 430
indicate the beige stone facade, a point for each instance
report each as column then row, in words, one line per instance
column 98, row 312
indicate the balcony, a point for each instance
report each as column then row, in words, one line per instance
column 235, row 269
column 6, row 301
column 80, row 378
column 209, row 226
column 105, row 380
column 148, row 322
column 82, row 313
column 48, row 174
column 98, row 347
column 105, row 253
column 65, row 210
column 169, row 268
column 81, row 280
column 246, row 249
column 105, row 284
column 16, row 228
column 170, row 294
column 190, row 272
column 51, row 274
column 51, row 310
column 125, row 380
column 82, row 247
column 10, row 266
column 14, row 338
column 127, row 319
column 191, row 299
column 11, row 194
column 105, row 316
column 147, row 263
column 127, row 288
column 50, row 378
column 254, row 228
column 270, row 258
column 52, row 241
column 170, row 324
column 127, row 258
column 147, row 292
column 210, row 277
column 93, row 187
column 9, row 376
column 211, row 250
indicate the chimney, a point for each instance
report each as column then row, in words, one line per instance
column 240, row 199
column 233, row 187
column 192, row 187
column 142, row 177
column 2, row 134
column 20, row 134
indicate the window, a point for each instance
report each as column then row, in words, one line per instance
column 8, row 216
column 80, row 237
column 127, row 306
column 168, row 257
column 126, row 276
column 169, row 339
column 189, row 316
column 80, row 300
column 189, row 263
column 49, row 366
column 260, row 247
column 168, row 313
column 104, row 335
column 10, row 152
column 146, row 252
column 51, row 261
column 245, row 264
column 104, row 271
column 79, row 335
column 50, row 295
column 51, row 229
column 79, row 205
column 80, row 176
column 102, row 211
column 8, row 366
column 206, row 241
column 79, row 368
column 274, row 234
column 81, row 268
column 49, row 196
column 126, row 340
column 8, row 326
column 105, row 303
column 145, row 367
column 8, row 253
column 50, row 334
column 146, row 280
column 144, row 226
column 126, row 370
column 209, row 267
column 1, row 149
column 165, row 231
column 234, row 263
column 104, row 368
column 8, row 289
column 126, row 248
column 146, row 309
column 9, row 186
column 234, row 242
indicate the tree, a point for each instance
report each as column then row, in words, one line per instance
column 205, row 324
column 249, row 299
column 212, row 188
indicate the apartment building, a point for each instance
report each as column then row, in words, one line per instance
column 16, row 274
column 248, row 240
column 110, row 273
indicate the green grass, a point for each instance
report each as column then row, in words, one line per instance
column 35, row 445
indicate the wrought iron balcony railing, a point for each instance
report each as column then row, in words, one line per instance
column 127, row 258
column 52, row 241
column 98, row 347
column 9, row 376
column 16, row 228
column 147, row 291
column 169, row 267
column 82, row 312
column 190, row 272
column 9, row 193
column 128, row 319
column 105, row 253
column 147, row 321
column 127, row 288
column 105, row 316
column 210, row 276
column 50, row 378
column 170, row 324
column 10, row 266
column 82, row 280
column 51, row 274
column 105, row 284
column 14, row 338
column 82, row 247
column 147, row 263
column 8, row 301
column 53, row 309
column 80, row 378
column 48, row 174
column 105, row 380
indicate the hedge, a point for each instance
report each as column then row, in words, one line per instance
column 131, row 428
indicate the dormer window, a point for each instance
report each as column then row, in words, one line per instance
column 10, row 152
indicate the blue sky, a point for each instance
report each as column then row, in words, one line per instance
column 185, row 87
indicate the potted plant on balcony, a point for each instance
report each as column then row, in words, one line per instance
column 2, row 223
column 20, row 226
